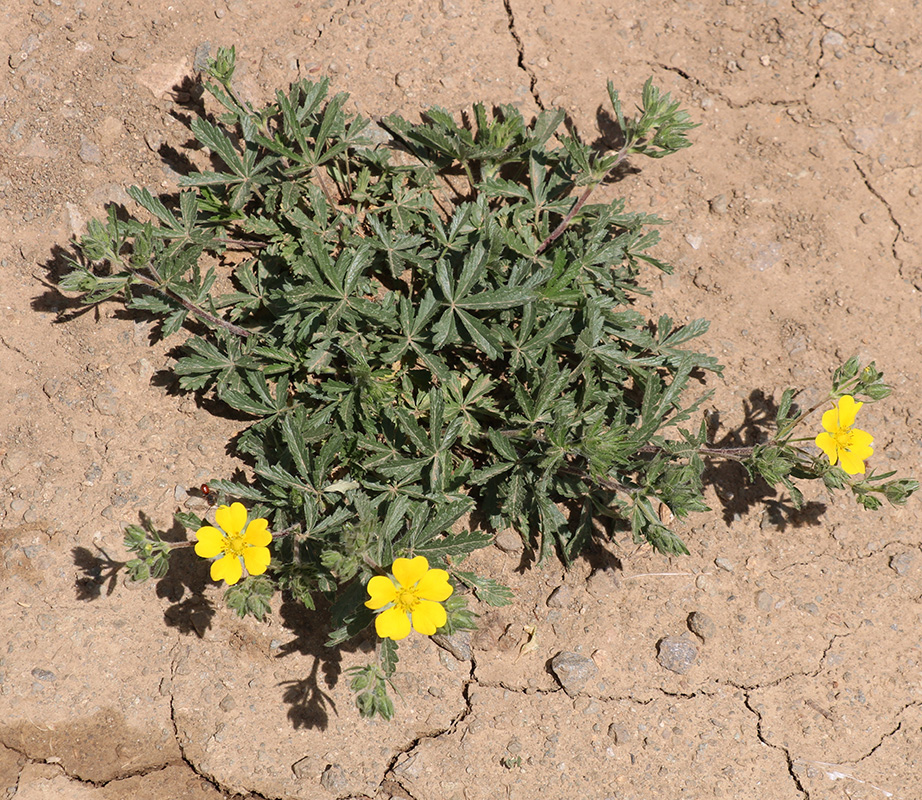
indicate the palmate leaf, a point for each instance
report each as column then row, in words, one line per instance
column 458, row 544
column 487, row 590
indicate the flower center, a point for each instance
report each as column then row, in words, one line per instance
column 843, row 438
column 406, row 600
column 234, row 544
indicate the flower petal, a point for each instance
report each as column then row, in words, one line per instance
column 231, row 518
column 382, row 591
column 392, row 624
column 408, row 571
column 831, row 420
column 258, row 533
column 861, row 440
column 434, row 585
column 851, row 463
column 256, row 559
column 848, row 410
column 227, row 569
column 827, row 444
column 428, row 617
column 210, row 542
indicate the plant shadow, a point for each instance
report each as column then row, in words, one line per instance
column 736, row 491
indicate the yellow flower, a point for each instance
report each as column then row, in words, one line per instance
column 843, row 443
column 236, row 540
column 417, row 594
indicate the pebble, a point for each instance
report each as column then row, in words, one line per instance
column 302, row 768
column 334, row 778
column 833, row 39
column 509, row 541
column 121, row 55
column 603, row 583
column 764, row 601
column 573, row 671
column 901, row 562
column 676, row 653
column 618, row 733
column 559, row 598
column 724, row 564
column 701, row 625
column 106, row 404
column 457, row 644
column 718, row 204
column 693, row 240
column 89, row 151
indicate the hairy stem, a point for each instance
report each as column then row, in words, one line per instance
column 565, row 222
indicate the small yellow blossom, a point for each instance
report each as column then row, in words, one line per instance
column 237, row 541
column 843, row 443
column 417, row 595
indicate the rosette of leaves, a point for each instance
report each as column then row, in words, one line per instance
column 420, row 329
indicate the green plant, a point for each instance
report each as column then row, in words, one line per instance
column 423, row 329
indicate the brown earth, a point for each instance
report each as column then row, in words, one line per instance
column 795, row 230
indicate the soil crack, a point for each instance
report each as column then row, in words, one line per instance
column 886, row 205
column 390, row 775
column 747, row 702
column 520, row 47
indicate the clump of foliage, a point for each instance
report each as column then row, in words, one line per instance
column 423, row 327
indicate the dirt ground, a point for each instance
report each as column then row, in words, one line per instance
column 795, row 230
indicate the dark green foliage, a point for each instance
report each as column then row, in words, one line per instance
column 420, row 330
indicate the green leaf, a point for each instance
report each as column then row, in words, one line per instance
column 487, row 590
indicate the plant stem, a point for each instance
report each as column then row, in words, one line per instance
column 565, row 222
column 188, row 304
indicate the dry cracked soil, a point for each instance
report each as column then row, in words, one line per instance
column 793, row 637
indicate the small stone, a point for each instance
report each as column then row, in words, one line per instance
column 915, row 191
column 89, row 151
column 121, row 55
column 719, row 204
column 724, row 563
column 509, row 541
column 93, row 474
column 334, row 778
column 153, row 141
column 302, row 768
column 764, row 601
column 603, row 583
column 457, row 644
column 228, row 703
column 618, row 733
column 676, row 654
column 559, row 598
column 106, row 404
column 180, row 494
column 403, row 80
column 901, row 562
column 573, row 671
column 44, row 674
column 701, row 625
column 80, row 437
column 833, row 39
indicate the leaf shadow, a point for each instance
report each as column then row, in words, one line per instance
column 736, row 491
